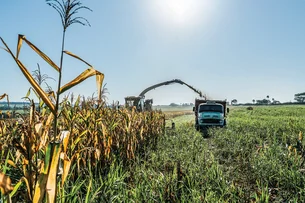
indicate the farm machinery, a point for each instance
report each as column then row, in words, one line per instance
column 207, row 112
column 210, row 113
column 143, row 104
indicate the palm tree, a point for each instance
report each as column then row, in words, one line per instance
column 268, row 101
column 234, row 101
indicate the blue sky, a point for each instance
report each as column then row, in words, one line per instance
column 232, row 49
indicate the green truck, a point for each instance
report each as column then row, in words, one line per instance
column 210, row 113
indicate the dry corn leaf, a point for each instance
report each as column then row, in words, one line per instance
column 83, row 76
column 32, row 81
column 45, row 133
column 10, row 162
column 19, row 44
column 38, row 128
column 40, row 187
column 99, row 75
column 40, row 53
column 97, row 154
column 99, row 83
column 3, row 96
column 51, row 183
column 64, row 137
column 66, row 169
column 5, row 184
column 77, row 57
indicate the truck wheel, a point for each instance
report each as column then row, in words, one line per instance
column 197, row 125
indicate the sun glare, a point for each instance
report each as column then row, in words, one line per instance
column 181, row 12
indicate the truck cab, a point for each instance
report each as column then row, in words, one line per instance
column 210, row 113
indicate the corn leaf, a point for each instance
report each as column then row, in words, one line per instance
column 66, row 168
column 28, row 93
column 45, row 133
column 78, row 139
column 65, row 139
column 16, row 187
column 40, row 187
column 51, row 183
column 40, row 53
column 5, row 184
column 3, row 96
column 23, row 179
column 77, row 57
column 10, row 162
column 99, row 83
column 88, row 191
column 99, row 75
column 19, row 44
column 27, row 186
column 32, row 81
column 83, row 76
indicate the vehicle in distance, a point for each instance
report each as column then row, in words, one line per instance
column 210, row 113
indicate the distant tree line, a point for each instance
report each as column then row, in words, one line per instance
column 264, row 101
column 182, row 104
column 299, row 98
column 14, row 106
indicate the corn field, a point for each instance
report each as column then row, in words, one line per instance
column 92, row 137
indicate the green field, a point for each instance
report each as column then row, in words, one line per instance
column 256, row 158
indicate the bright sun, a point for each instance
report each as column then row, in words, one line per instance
column 181, row 12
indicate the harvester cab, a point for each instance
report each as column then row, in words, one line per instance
column 134, row 101
column 148, row 104
column 139, row 102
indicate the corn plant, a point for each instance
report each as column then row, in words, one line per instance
column 3, row 96
column 67, row 10
column 93, row 138
column 40, row 79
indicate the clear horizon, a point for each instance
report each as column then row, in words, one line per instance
column 234, row 49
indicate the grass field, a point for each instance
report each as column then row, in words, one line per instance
column 258, row 157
